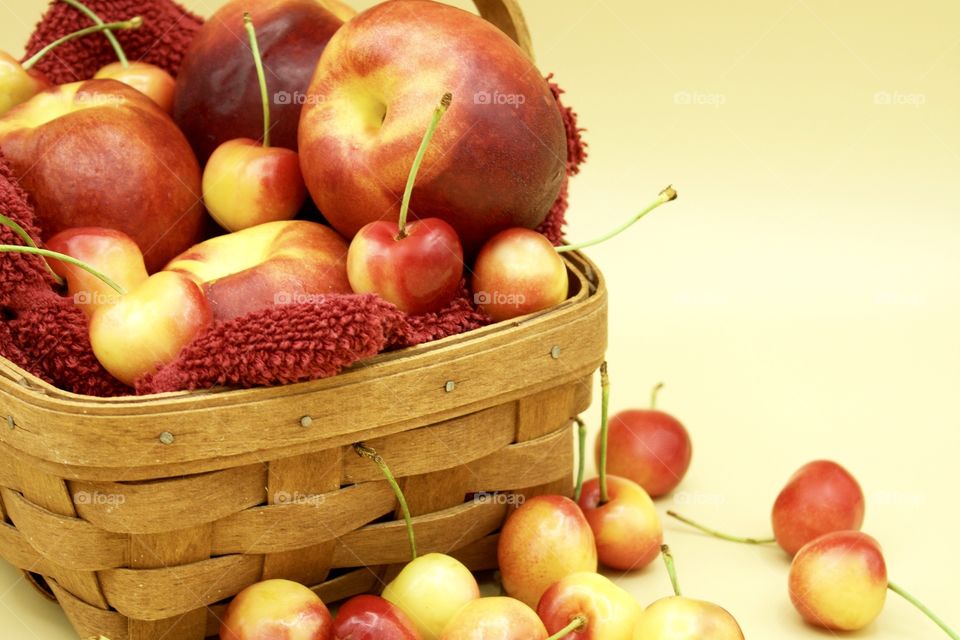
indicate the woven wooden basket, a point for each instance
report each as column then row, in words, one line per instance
column 143, row 516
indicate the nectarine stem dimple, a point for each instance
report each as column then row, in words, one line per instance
column 261, row 76
column 604, row 430
column 671, row 569
column 654, row 394
column 23, row 235
column 717, row 534
column 578, row 623
column 371, row 454
column 111, row 38
column 133, row 23
column 582, row 457
column 9, row 248
column 897, row 589
column 441, row 109
column 665, row 196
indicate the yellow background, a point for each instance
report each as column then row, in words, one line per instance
column 802, row 297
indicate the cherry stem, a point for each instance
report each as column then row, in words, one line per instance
column 582, row 460
column 671, row 568
column 261, row 76
column 421, row 153
column 111, row 38
column 579, row 622
column 14, row 226
column 654, row 394
column 897, row 589
column 665, row 196
column 10, row 248
column 132, row 23
column 604, row 430
column 371, row 454
column 717, row 534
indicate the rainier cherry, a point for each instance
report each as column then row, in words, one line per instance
column 518, row 271
column 416, row 266
column 680, row 618
column 148, row 79
column 246, row 183
column 650, row 447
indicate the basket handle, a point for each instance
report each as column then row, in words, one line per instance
column 508, row 16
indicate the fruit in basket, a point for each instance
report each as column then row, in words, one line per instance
column 610, row 613
column 626, row 526
column 498, row 162
column 542, row 542
column 417, row 267
column 148, row 326
column 518, row 272
column 430, row 590
column 839, row 581
column 217, row 96
column 269, row 265
column 496, row 618
column 372, row 618
column 680, row 618
column 99, row 153
column 109, row 251
column 149, row 79
column 277, row 610
column 245, row 182
column 819, row 498
column 20, row 82
column 650, row 447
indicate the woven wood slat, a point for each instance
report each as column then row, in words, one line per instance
column 480, row 555
column 67, row 542
column 304, row 479
column 156, row 594
column 159, row 550
column 277, row 528
column 166, row 505
column 8, row 470
column 540, row 461
column 90, row 621
column 427, row 449
column 21, row 554
column 50, row 496
column 386, row 543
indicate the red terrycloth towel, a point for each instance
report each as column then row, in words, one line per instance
column 41, row 331
column 44, row 333
column 163, row 39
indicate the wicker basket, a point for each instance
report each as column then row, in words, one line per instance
column 144, row 515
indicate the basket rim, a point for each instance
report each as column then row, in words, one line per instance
column 13, row 378
column 198, row 432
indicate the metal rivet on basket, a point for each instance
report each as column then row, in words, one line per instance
column 167, row 438
column 306, row 422
column 11, row 422
column 450, row 386
column 555, row 352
